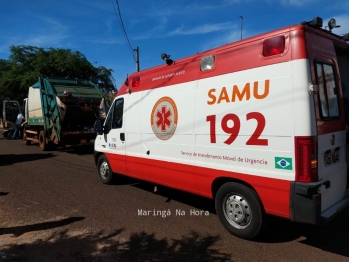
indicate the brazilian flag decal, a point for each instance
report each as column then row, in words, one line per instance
column 283, row 163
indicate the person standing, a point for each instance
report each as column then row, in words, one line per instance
column 18, row 123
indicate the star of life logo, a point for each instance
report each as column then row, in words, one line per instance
column 164, row 118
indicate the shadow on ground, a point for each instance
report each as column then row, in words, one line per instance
column 332, row 237
column 78, row 150
column 169, row 193
column 142, row 246
column 20, row 230
column 6, row 160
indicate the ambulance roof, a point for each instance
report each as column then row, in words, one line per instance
column 244, row 52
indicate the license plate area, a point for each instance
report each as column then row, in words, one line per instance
column 331, row 157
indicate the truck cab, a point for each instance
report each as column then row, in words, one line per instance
column 10, row 110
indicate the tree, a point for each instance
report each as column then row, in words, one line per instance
column 27, row 63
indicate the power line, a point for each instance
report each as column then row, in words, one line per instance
column 118, row 14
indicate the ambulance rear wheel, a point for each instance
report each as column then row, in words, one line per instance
column 42, row 140
column 104, row 170
column 240, row 210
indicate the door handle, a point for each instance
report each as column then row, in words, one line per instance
column 122, row 136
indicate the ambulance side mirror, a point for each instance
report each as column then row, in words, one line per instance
column 98, row 127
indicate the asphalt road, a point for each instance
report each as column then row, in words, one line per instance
column 54, row 208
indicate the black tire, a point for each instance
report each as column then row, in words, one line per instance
column 104, row 171
column 26, row 141
column 42, row 140
column 240, row 210
column 9, row 135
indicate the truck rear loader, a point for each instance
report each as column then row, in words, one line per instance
column 62, row 112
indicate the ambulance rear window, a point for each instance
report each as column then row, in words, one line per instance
column 207, row 63
column 328, row 91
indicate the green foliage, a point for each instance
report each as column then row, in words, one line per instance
column 109, row 98
column 27, row 63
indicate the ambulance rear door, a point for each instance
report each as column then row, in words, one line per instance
column 330, row 120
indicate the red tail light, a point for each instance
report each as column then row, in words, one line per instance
column 306, row 159
column 274, row 46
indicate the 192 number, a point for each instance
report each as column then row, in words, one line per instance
column 233, row 130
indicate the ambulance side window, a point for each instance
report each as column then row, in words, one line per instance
column 118, row 113
column 108, row 121
column 328, row 91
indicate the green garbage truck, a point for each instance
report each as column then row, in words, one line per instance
column 62, row 112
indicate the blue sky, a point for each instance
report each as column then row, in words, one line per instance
column 178, row 27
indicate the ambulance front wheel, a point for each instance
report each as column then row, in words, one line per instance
column 240, row 210
column 104, row 170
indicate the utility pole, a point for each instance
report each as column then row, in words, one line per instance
column 137, row 58
column 242, row 21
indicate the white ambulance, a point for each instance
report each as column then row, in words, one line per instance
column 259, row 125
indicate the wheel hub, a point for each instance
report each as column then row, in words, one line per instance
column 104, row 170
column 238, row 211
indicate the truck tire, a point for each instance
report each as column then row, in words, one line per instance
column 240, row 210
column 104, row 171
column 26, row 141
column 42, row 140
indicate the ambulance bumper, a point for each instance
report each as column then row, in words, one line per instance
column 305, row 204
